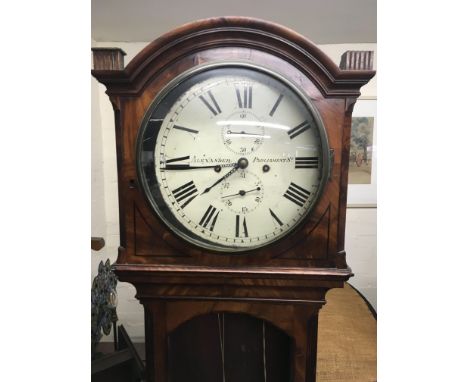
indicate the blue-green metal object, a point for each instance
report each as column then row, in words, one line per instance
column 103, row 309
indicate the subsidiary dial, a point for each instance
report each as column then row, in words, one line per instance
column 242, row 193
column 242, row 132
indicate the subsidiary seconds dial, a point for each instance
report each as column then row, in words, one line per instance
column 232, row 157
column 243, row 192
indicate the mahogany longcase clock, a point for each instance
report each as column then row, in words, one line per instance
column 232, row 140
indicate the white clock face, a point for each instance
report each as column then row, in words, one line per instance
column 232, row 158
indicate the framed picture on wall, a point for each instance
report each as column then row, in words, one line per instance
column 362, row 179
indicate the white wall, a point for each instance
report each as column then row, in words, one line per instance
column 105, row 214
column 361, row 250
column 361, row 222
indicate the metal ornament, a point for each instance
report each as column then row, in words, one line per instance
column 103, row 303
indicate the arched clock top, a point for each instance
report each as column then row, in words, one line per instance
column 231, row 32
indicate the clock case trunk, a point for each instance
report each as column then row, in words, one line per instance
column 283, row 283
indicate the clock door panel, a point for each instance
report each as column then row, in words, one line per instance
column 228, row 347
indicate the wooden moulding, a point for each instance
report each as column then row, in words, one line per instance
column 249, row 284
column 232, row 32
column 238, row 272
column 108, row 58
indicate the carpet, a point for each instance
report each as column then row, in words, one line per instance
column 347, row 339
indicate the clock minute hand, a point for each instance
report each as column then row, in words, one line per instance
column 241, row 193
column 236, row 166
column 243, row 133
column 252, row 190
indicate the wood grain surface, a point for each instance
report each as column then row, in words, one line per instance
column 283, row 283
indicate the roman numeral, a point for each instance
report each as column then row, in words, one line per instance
column 307, row 162
column 275, row 217
column 206, row 219
column 214, row 107
column 275, row 106
column 244, row 226
column 169, row 166
column 185, row 129
column 297, row 194
column 185, row 192
column 177, row 159
column 299, row 129
column 247, row 103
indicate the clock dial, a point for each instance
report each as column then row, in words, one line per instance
column 233, row 157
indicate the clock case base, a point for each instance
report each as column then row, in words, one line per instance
column 284, row 284
column 288, row 298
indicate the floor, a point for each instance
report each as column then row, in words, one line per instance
column 347, row 340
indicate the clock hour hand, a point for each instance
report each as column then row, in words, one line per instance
column 236, row 166
column 188, row 167
column 241, row 193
